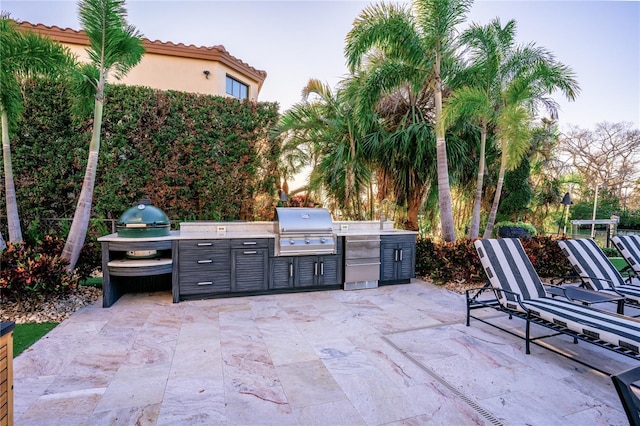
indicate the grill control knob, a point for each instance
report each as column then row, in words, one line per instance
column 322, row 240
column 292, row 241
column 307, row 241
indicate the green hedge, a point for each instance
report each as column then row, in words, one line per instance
column 458, row 261
column 197, row 157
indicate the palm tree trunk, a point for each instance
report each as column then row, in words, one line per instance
column 444, row 190
column 13, row 219
column 80, row 224
column 474, row 229
column 496, row 199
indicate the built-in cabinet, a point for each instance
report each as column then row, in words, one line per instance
column 122, row 274
column 249, row 265
column 204, row 267
column 199, row 268
column 397, row 259
column 306, row 271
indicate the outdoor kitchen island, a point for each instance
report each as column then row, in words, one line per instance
column 223, row 259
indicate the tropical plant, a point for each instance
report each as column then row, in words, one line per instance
column 115, row 47
column 321, row 128
column 415, row 48
column 23, row 54
column 500, row 77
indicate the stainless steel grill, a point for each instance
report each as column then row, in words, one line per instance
column 304, row 231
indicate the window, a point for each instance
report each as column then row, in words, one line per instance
column 237, row 89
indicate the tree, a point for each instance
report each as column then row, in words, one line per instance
column 321, row 128
column 23, row 54
column 514, row 134
column 499, row 75
column 416, row 47
column 115, row 47
column 608, row 156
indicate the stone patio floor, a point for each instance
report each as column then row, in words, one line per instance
column 395, row 355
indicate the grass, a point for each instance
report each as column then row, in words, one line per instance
column 25, row 335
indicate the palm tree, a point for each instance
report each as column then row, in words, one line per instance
column 503, row 75
column 23, row 54
column 514, row 141
column 416, row 46
column 320, row 129
column 115, row 47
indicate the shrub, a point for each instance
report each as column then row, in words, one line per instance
column 546, row 256
column 459, row 262
column 447, row 262
column 523, row 225
column 31, row 273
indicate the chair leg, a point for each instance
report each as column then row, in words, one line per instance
column 527, row 328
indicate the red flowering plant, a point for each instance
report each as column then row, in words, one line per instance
column 29, row 273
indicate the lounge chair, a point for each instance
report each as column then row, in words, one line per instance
column 596, row 271
column 625, row 382
column 518, row 291
column 629, row 248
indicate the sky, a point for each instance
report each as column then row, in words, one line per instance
column 294, row 41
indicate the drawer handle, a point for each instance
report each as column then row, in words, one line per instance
column 204, row 244
column 363, row 264
column 205, row 283
column 249, row 243
column 205, row 261
column 249, row 252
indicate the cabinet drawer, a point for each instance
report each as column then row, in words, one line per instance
column 250, row 243
column 189, row 245
column 205, row 282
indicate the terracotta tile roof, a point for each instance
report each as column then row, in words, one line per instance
column 214, row 53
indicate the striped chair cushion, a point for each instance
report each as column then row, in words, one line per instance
column 590, row 263
column 508, row 268
column 612, row 328
column 629, row 248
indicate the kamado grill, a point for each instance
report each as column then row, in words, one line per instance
column 304, row 231
column 143, row 221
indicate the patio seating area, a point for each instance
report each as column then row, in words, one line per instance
column 389, row 355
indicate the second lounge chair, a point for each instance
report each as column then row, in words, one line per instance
column 519, row 292
column 596, row 271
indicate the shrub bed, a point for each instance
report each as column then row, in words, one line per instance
column 35, row 271
column 459, row 262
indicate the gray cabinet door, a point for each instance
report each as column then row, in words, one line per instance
column 282, row 272
column 387, row 261
column 397, row 258
column 306, row 271
column 407, row 261
column 249, row 269
column 329, row 270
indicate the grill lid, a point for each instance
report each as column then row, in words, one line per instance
column 303, row 220
column 142, row 220
column 304, row 231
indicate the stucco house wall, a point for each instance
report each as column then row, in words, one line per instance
column 169, row 66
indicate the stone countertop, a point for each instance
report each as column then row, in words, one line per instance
column 243, row 230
